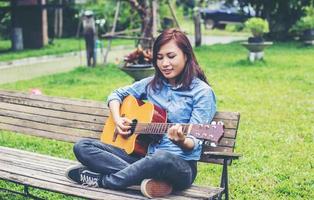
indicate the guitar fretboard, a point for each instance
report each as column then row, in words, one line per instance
column 157, row 128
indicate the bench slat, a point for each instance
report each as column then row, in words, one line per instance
column 39, row 133
column 227, row 115
column 52, row 120
column 60, row 100
column 54, row 113
column 230, row 133
column 54, row 106
column 49, row 127
column 32, row 155
column 226, row 142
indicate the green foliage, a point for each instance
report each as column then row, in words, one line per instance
column 281, row 15
column 5, row 24
column 105, row 9
column 257, row 25
column 306, row 22
column 275, row 98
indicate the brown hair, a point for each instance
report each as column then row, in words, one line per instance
column 191, row 68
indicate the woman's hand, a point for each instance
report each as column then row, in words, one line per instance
column 123, row 125
column 176, row 135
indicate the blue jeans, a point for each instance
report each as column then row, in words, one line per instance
column 120, row 170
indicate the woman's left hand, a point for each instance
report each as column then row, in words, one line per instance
column 176, row 135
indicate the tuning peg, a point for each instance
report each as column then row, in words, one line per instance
column 213, row 123
column 220, row 123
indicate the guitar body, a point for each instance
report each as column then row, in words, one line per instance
column 143, row 112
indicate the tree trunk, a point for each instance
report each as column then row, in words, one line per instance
column 145, row 11
column 58, row 21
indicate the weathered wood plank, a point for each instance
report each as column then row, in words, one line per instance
column 200, row 192
column 39, row 133
column 226, row 142
column 54, row 106
column 54, row 113
column 230, row 124
column 230, row 133
column 227, row 116
column 54, row 166
column 60, row 100
column 18, row 152
column 52, row 120
column 49, row 127
column 217, row 149
column 218, row 155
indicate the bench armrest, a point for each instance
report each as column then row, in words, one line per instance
column 222, row 155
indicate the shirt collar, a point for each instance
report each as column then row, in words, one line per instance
column 167, row 84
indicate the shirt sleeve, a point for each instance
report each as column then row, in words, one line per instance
column 137, row 89
column 204, row 109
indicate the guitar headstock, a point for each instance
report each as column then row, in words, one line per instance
column 212, row 132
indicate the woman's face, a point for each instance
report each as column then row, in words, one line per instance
column 171, row 61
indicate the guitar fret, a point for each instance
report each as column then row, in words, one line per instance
column 159, row 129
column 164, row 128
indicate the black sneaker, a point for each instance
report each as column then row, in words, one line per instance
column 80, row 174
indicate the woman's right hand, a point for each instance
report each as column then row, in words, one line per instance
column 123, row 125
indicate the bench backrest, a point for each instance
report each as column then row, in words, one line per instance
column 71, row 119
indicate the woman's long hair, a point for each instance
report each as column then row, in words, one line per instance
column 191, row 68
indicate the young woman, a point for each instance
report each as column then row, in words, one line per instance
column 179, row 86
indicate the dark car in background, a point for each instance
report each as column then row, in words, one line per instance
column 220, row 14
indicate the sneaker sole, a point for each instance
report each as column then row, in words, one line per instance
column 164, row 189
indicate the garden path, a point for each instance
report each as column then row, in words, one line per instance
column 28, row 70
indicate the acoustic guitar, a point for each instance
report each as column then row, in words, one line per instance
column 149, row 119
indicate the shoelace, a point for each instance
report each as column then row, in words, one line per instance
column 89, row 181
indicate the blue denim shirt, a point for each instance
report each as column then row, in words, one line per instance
column 196, row 105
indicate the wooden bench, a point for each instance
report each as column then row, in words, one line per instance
column 71, row 119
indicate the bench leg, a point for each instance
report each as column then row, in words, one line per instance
column 29, row 195
column 25, row 193
column 224, row 181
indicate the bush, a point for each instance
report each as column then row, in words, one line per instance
column 257, row 25
column 306, row 22
column 5, row 26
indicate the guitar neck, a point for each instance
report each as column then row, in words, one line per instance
column 157, row 128
column 211, row 132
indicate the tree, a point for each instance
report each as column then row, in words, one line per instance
column 281, row 14
column 145, row 11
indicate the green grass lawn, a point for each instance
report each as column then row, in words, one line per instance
column 275, row 98
column 60, row 46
